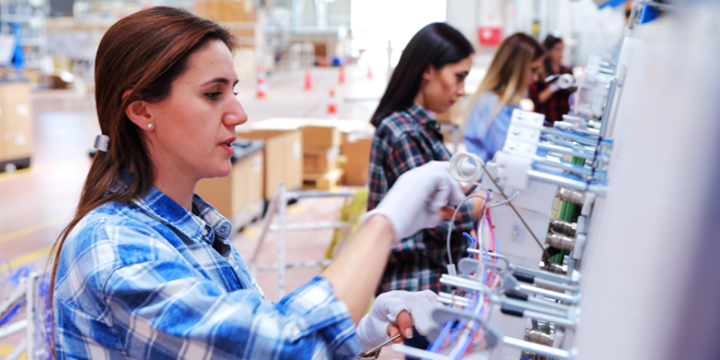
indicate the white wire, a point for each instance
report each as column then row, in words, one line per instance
column 456, row 167
column 491, row 205
column 452, row 222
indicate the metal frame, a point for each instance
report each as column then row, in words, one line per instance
column 28, row 289
column 278, row 206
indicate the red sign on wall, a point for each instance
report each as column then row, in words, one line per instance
column 489, row 36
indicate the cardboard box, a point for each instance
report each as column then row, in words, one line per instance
column 320, row 136
column 318, row 160
column 283, row 158
column 239, row 196
column 356, row 149
column 16, row 141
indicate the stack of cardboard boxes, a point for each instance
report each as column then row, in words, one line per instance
column 321, row 156
column 15, row 125
column 239, row 196
column 355, row 148
column 283, row 160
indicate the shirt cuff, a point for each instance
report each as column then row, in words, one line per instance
column 320, row 312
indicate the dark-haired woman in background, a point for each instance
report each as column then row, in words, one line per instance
column 429, row 77
column 548, row 97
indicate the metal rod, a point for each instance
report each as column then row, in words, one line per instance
column 563, row 166
column 555, row 285
column 537, row 348
column 563, row 150
column 542, row 274
column 263, row 231
column 568, row 135
column 31, row 282
column 535, row 307
column 282, row 208
column 516, row 212
column 608, row 107
column 557, row 320
column 372, row 351
column 13, row 328
column 557, row 180
column 572, row 299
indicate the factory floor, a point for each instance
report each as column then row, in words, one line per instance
column 37, row 203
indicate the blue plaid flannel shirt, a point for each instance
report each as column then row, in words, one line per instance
column 150, row 280
column 405, row 140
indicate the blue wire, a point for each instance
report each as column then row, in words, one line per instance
column 472, row 241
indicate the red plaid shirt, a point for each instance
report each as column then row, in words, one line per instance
column 557, row 105
column 405, row 140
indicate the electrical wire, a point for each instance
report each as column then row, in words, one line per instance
column 452, row 223
column 516, row 212
column 456, row 168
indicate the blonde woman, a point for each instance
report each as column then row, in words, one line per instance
column 514, row 67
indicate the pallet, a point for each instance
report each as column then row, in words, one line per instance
column 326, row 181
column 21, row 163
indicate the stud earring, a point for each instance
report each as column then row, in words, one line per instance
column 149, row 125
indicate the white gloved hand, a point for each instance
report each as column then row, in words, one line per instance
column 406, row 205
column 554, row 87
column 373, row 327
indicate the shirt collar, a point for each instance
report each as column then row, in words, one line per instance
column 164, row 209
column 423, row 117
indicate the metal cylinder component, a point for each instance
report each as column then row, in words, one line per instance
column 539, row 337
column 571, row 196
column 560, row 241
column 554, row 268
column 564, row 227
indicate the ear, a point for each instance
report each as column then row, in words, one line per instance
column 138, row 112
column 429, row 73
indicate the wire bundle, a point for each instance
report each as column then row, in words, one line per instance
column 456, row 339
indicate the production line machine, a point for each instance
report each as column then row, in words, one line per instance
column 575, row 255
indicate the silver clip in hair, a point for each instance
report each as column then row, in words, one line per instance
column 101, row 142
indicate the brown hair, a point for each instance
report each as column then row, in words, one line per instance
column 142, row 53
column 549, row 44
column 506, row 76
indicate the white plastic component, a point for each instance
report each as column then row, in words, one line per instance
column 520, row 148
column 579, row 246
column 512, row 170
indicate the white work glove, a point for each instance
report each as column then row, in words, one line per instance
column 406, row 205
column 554, row 87
column 373, row 327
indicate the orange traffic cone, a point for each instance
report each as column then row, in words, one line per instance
column 341, row 74
column 261, row 85
column 308, row 80
column 369, row 73
column 332, row 106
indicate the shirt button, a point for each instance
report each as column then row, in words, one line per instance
column 223, row 229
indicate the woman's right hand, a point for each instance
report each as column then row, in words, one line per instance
column 415, row 200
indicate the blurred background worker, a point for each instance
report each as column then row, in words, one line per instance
column 547, row 93
column 429, row 78
column 515, row 66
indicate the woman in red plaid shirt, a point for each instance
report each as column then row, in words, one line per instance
column 429, row 78
column 548, row 97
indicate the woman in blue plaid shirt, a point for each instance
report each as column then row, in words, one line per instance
column 429, row 78
column 145, row 270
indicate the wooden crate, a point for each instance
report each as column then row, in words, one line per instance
column 326, row 181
